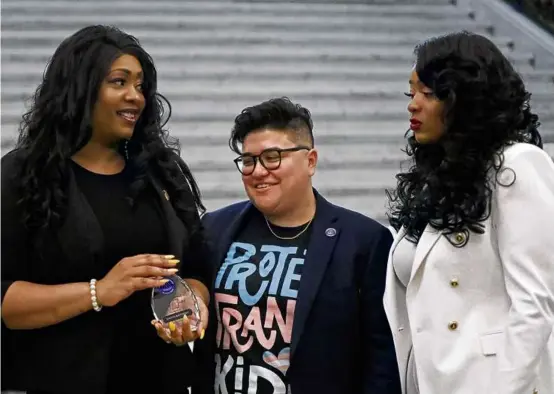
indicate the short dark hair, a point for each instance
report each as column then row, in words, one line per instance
column 279, row 114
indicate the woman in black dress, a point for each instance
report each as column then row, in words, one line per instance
column 97, row 208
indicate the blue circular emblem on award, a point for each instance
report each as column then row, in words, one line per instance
column 167, row 288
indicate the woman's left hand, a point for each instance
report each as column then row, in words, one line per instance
column 179, row 332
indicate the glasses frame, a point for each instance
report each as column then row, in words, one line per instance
column 258, row 158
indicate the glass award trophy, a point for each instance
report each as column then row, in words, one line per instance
column 174, row 300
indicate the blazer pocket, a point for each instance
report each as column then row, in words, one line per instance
column 491, row 342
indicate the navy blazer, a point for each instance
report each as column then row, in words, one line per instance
column 341, row 340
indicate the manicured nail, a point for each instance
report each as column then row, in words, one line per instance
column 171, row 326
column 202, row 334
column 173, row 261
column 173, row 270
column 169, row 256
column 185, row 319
column 164, row 281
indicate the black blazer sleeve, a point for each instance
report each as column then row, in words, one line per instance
column 14, row 254
column 204, row 350
column 380, row 370
column 196, row 252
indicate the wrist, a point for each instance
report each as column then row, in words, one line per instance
column 96, row 304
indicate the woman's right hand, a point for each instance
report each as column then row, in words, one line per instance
column 134, row 273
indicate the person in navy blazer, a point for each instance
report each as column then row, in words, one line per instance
column 299, row 282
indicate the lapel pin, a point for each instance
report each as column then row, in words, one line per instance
column 165, row 194
column 330, row 232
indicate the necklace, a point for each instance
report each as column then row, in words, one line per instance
column 289, row 238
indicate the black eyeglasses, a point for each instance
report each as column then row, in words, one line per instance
column 269, row 158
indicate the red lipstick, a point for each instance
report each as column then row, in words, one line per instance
column 415, row 124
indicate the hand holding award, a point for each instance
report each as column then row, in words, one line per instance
column 177, row 311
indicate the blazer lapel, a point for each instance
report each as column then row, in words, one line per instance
column 228, row 236
column 177, row 234
column 389, row 298
column 324, row 235
column 219, row 249
column 428, row 239
column 80, row 236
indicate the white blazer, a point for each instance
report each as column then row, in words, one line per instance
column 479, row 318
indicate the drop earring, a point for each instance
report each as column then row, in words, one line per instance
column 126, row 149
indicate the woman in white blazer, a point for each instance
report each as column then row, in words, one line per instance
column 470, row 282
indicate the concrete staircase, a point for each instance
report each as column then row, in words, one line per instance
column 347, row 61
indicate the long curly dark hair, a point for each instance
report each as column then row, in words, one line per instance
column 59, row 124
column 486, row 108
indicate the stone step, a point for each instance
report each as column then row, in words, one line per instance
column 350, row 153
column 547, row 131
column 364, row 181
column 70, row 8
column 373, row 145
column 53, row 38
column 387, row 138
column 213, row 110
column 297, row 23
column 214, row 133
column 261, row 53
column 224, row 60
column 386, row 135
column 343, row 156
column 314, row 2
column 247, row 49
column 395, row 2
column 362, row 190
column 228, row 19
column 323, row 109
column 347, row 156
column 326, row 132
column 549, row 148
column 219, row 90
column 261, row 73
column 373, row 206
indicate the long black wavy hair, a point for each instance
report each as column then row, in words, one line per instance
column 486, row 108
column 58, row 125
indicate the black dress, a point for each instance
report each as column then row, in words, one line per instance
column 115, row 350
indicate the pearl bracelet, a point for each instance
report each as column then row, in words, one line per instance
column 97, row 307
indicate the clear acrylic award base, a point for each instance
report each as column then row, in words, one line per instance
column 174, row 300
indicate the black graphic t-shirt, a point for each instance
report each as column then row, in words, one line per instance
column 255, row 297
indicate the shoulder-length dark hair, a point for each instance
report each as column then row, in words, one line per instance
column 486, row 108
column 59, row 124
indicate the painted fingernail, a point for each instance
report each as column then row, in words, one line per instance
column 185, row 318
column 169, row 256
column 173, row 261
column 202, row 334
column 173, row 270
column 171, row 326
column 164, row 281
